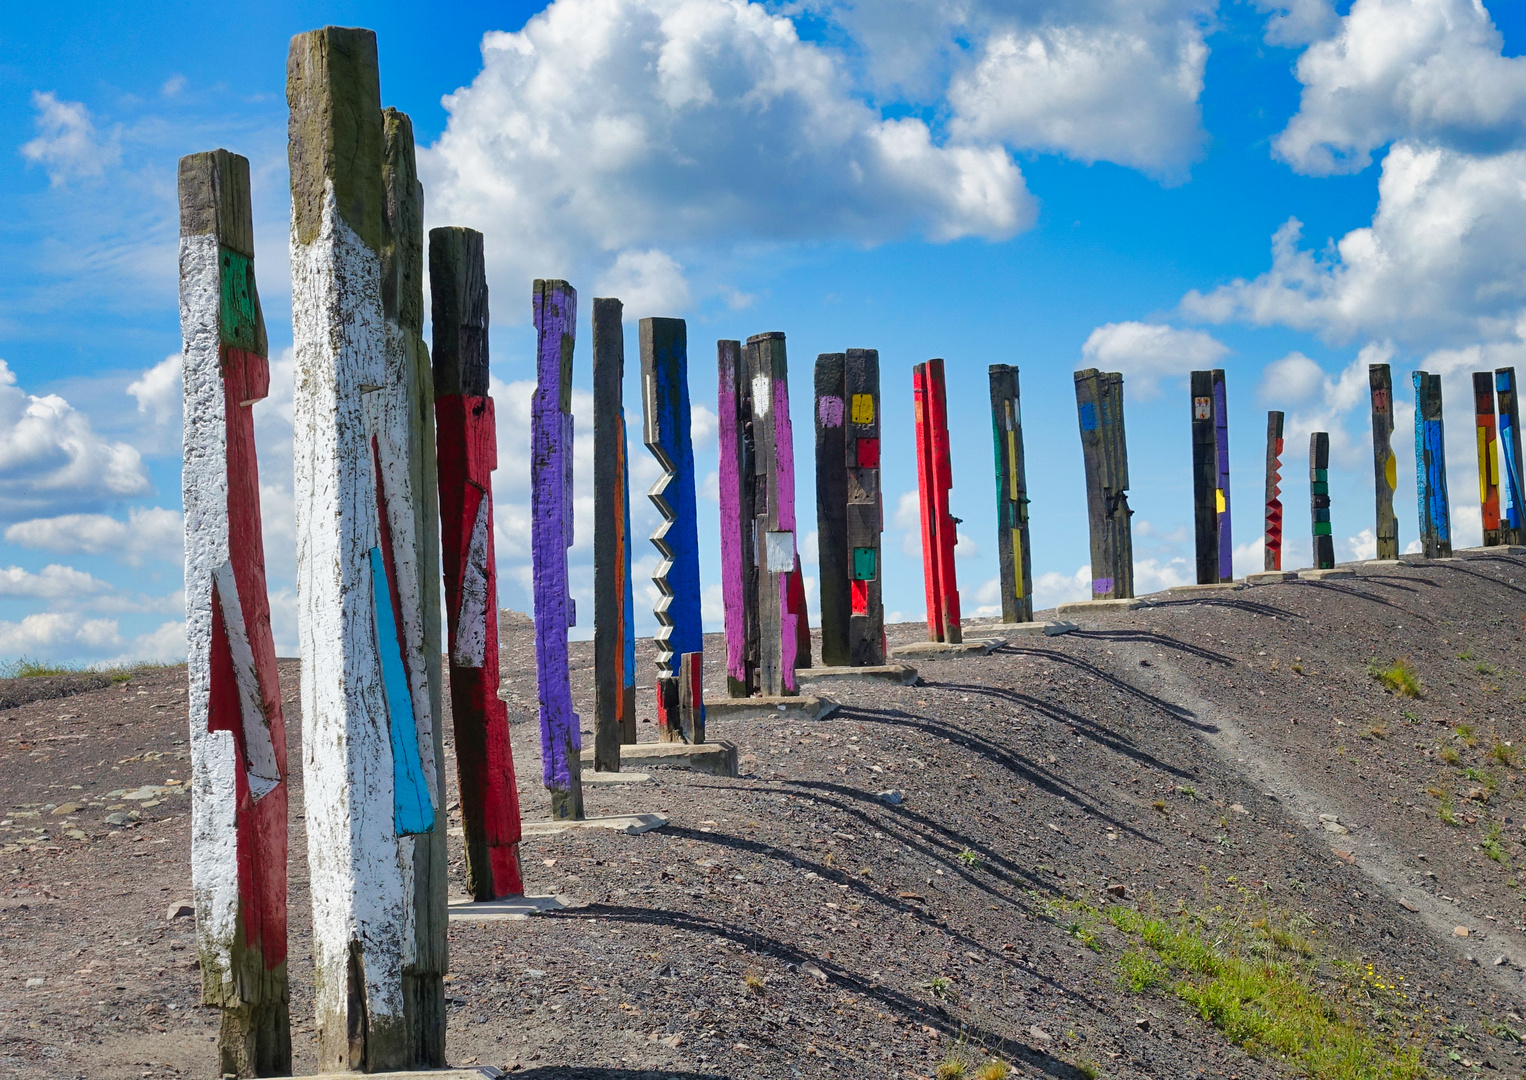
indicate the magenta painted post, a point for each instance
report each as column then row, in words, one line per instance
column 555, row 309
column 733, row 528
column 784, row 456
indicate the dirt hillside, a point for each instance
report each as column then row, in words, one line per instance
column 1225, row 764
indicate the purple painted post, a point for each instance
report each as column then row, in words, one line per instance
column 784, row 474
column 774, row 523
column 556, row 308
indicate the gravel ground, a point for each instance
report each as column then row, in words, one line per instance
column 1213, row 749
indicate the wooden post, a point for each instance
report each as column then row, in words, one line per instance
column 861, row 453
column 368, row 728
column 1488, row 459
column 468, row 454
column 739, row 546
column 1011, row 496
column 614, row 640
column 1272, row 546
column 1205, row 472
column 1104, row 449
column 1221, row 491
column 939, row 527
column 665, row 401
column 555, row 305
column 1513, row 529
column 238, row 733
column 1385, row 466
column 802, row 615
column 1431, row 468
column 774, row 505
column 1319, row 499
column 832, row 509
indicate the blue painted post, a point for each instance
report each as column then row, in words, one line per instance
column 1431, row 468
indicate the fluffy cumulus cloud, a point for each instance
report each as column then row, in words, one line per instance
column 1428, row 70
column 50, row 457
column 54, row 633
column 1148, row 352
column 158, row 391
column 1298, row 22
column 68, row 145
column 148, row 533
column 53, row 582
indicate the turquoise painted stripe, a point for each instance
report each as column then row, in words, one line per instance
column 412, row 808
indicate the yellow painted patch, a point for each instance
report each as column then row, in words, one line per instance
column 863, row 408
column 1391, row 471
column 1218, row 498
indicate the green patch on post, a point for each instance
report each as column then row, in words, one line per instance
column 863, row 564
column 239, row 313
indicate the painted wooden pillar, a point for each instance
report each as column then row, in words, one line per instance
column 1104, row 450
column 939, row 527
column 238, row 733
column 1488, row 458
column 1431, row 468
column 832, row 509
column 1385, row 466
column 556, row 314
column 1204, row 478
column 802, row 615
column 680, row 633
column 1272, row 545
column 467, row 456
column 1222, row 508
column 1011, row 496
column 1513, row 519
column 1319, row 499
column 866, row 518
column 739, row 546
column 614, row 636
column 368, row 730
column 774, row 506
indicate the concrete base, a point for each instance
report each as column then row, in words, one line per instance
column 1211, row 586
column 1498, row 549
column 1028, row 629
column 621, row 777
column 718, row 758
column 476, row 1072
column 802, row 707
column 630, row 824
column 1326, row 574
column 508, row 908
column 897, row 674
column 1267, row 577
column 1375, row 565
column 943, row 650
column 1098, row 607
column 1416, row 558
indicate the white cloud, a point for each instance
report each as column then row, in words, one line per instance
column 148, row 533
column 646, row 281
column 50, row 456
column 1425, row 70
column 1052, row 587
column 158, row 390
column 1250, row 558
column 52, row 633
column 53, row 582
column 1443, row 262
column 1147, row 352
column 67, row 144
column 1298, row 22
column 606, row 127
column 167, row 643
column 1293, row 378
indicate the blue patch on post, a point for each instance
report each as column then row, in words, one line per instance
column 412, row 808
column 1088, row 416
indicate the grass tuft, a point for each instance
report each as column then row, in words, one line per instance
column 1398, row 677
column 969, row 858
column 995, row 1069
column 1503, row 754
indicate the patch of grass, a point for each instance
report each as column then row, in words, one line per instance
column 1084, row 935
column 1435, row 793
column 1088, row 1068
column 939, row 986
column 1450, row 755
column 1268, row 998
column 1472, row 773
column 1484, row 668
column 969, row 858
column 1466, row 654
column 24, row 667
column 1139, row 970
column 1297, row 669
column 1503, row 754
column 1189, row 791
column 1398, row 677
column 952, row 1067
column 995, row 1069
column 1445, row 812
column 1490, row 842
column 1377, row 731
column 1159, row 804
column 753, row 982
column 1466, row 733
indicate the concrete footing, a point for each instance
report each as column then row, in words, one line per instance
column 613, row 778
column 719, row 758
column 508, row 908
column 897, row 674
column 476, row 1072
column 630, row 824
column 1327, row 573
column 1498, row 549
column 1025, row 629
column 944, row 650
column 801, row 707
column 1098, row 607
column 1210, row 586
column 1268, row 577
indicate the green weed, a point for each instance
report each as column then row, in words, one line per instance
column 1398, row 677
column 969, row 858
column 1503, row 754
column 1491, row 842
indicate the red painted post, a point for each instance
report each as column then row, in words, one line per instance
column 934, row 480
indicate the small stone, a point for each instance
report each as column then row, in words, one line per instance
column 1039, row 1034
column 119, row 819
column 76, row 834
column 1460, row 931
column 1119, row 891
column 1407, row 905
column 892, row 796
column 34, row 982
column 1343, row 856
column 181, row 909
column 66, row 808
column 1237, row 808
column 814, row 972
column 1335, row 827
column 675, row 1041
column 1143, row 1023
column 1502, row 961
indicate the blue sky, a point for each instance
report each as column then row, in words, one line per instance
column 1286, row 190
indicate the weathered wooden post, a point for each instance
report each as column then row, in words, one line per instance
column 739, row 545
column 680, row 634
column 934, row 480
column 614, row 632
column 1210, row 477
column 238, row 733
column 368, row 728
column 1272, row 545
column 1514, row 523
column 555, row 309
column 468, row 454
column 1104, row 449
column 866, row 519
column 1319, row 500
column 1431, row 468
column 832, row 508
column 1488, row 461
column 1385, row 466
column 774, row 505
column 1011, row 496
